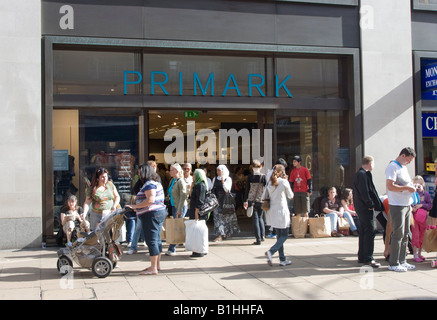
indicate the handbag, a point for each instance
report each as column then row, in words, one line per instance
column 266, row 200
column 175, row 230
column 299, row 226
column 209, row 205
column 228, row 204
column 320, row 227
column 249, row 210
column 196, row 236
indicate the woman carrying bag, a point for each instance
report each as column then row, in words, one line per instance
column 225, row 218
column 177, row 191
column 198, row 194
column 254, row 190
column 278, row 190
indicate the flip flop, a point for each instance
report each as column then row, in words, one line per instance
column 147, row 273
column 147, row 269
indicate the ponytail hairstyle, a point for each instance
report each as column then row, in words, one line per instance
column 278, row 172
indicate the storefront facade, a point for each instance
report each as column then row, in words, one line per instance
column 125, row 80
column 425, row 85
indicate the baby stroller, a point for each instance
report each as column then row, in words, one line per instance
column 97, row 250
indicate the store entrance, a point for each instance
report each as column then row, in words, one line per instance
column 165, row 153
column 190, row 124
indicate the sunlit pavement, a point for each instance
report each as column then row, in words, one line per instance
column 234, row 269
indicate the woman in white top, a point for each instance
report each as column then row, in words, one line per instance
column 278, row 215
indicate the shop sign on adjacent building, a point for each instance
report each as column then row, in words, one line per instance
column 429, row 80
column 429, row 125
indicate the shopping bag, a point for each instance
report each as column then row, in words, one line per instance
column 228, row 204
column 175, row 230
column 320, row 227
column 343, row 226
column 299, row 226
column 430, row 240
column 196, row 236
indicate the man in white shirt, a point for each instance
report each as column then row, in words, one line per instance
column 399, row 191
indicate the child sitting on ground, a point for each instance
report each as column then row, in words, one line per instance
column 68, row 218
column 420, row 216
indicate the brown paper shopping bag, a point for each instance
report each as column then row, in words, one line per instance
column 299, row 226
column 175, row 230
column 320, row 227
column 430, row 240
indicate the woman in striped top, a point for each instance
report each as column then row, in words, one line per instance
column 150, row 209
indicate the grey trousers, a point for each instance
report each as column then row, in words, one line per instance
column 400, row 220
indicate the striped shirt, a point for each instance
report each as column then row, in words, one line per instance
column 158, row 204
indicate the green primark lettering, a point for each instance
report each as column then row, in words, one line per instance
column 159, row 79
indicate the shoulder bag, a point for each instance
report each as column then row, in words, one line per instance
column 210, row 204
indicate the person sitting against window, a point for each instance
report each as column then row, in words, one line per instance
column 332, row 208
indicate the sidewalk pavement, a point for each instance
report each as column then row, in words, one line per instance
column 234, row 269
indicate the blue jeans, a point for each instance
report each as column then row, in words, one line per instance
column 152, row 225
column 334, row 220
column 172, row 247
column 349, row 219
column 130, row 228
column 258, row 222
column 136, row 236
column 281, row 237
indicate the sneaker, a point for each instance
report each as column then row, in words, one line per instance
column 408, row 266
column 285, row 263
column 418, row 259
column 69, row 244
column 269, row 258
column 131, row 251
column 398, row 268
column 170, row 253
column 271, row 236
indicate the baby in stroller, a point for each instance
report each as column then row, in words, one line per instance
column 70, row 216
column 98, row 250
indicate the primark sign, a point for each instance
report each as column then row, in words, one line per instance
column 159, row 81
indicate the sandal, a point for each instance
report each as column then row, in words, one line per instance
column 219, row 238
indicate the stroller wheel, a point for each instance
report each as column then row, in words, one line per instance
column 65, row 265
column 102, row 267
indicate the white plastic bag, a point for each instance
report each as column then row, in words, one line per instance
column 196, row 236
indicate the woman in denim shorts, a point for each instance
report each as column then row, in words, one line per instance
column 151, row 210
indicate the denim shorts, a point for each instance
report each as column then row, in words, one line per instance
column 152, row 225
